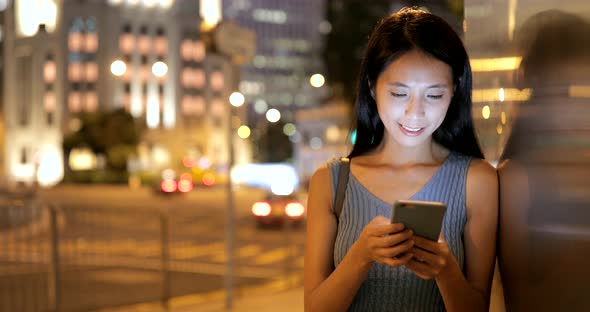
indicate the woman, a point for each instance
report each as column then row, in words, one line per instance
column 415, row 141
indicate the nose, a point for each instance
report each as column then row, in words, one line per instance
column 415, row 107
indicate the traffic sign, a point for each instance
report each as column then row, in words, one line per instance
column 235, row 41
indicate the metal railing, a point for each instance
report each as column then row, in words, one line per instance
column 80, row 259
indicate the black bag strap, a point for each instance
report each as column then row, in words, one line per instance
column 341, row 186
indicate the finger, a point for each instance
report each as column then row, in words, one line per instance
column 386, row 229
column 421, row 269
column 393, row 239
column 427, row 257
column 395, row 250
column 425, row 243
column 396, row 262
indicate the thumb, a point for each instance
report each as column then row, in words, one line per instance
column 441, row 238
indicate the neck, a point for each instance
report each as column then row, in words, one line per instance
column 392, row 153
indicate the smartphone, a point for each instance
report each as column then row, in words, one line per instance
column 423, row 217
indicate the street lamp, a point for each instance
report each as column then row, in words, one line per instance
column 317, row 80
column 159, row 69
column 273, row 115
column 236, row 99
column 118, row 68
column 244, row 132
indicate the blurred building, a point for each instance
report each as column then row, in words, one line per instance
column 289, row 43
column 67, row 57
column 323, row 134
column 3, row 5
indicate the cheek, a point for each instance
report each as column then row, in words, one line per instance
column 390, row 114
column 438, row 114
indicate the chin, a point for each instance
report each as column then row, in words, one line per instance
column 410, row 142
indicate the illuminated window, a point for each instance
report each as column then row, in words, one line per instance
column 186, row 48
column 185, row 104
column 199, row 78
column 91, row 40
column 49, row 72
column 198, row 51
column 126, row 43
column 75, row 72
column 91, row 72
column 269, row 16
column 49, row 101
column 198, row 105
column 161, row 45
column 186, row 77
column 217, row 107
column 145, row 72
column 192, row 105
column 75, row 41
column 74, row 102
column 91, row 101
column 217, row 81
column 144, row 44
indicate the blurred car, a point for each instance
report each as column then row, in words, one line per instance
column 278, row 210
column 169, row 185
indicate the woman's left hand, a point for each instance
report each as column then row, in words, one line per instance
column 430, row 258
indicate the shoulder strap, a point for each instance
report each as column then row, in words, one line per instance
column 341, row 186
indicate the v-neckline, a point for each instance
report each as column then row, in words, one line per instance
column 413, row 197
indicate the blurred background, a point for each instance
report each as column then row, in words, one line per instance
column 156, row 153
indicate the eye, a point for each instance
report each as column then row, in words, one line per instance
column 395, row 94
column 435, row 96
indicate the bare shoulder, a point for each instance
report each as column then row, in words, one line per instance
column 482, row 188
column 481, row 172
column 320, row 178
column 320, row 188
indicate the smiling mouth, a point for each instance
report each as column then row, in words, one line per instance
column 410, row 131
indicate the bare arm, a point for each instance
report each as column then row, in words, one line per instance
column 329, row 289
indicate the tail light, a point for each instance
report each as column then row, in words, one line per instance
column 208, row 179
column 294, row 210
column 185, row 185
column 261, row 209
column 168, row 185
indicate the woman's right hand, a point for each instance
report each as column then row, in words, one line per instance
column 384, row 242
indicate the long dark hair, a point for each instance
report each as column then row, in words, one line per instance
column 406, row 30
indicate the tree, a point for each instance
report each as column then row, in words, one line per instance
column 276, row 145
column 114, row 133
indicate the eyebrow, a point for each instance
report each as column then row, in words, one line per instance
column 399, row 84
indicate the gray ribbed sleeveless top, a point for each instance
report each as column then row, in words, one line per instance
column 398, row 289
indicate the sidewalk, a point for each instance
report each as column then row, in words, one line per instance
column 285, row 301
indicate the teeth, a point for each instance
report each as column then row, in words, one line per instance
column 411, row 129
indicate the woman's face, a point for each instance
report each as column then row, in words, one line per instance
column 413, row 95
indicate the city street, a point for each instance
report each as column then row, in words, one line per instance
column 110, row 247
